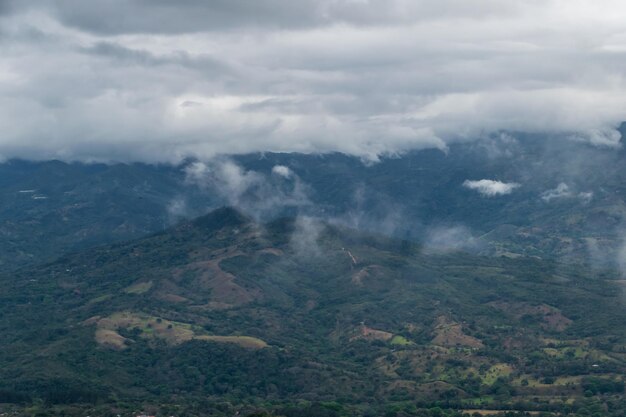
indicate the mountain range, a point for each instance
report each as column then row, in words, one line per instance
column 566, row 200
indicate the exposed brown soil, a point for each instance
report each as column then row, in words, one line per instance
column 370, row 271
column 550, row 317
column 221, row 286
column 368, row 333
column 450, row 334
column 271, row 251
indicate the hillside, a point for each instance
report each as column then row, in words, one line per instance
column 223, row 313
column 49, row 208
column 569, row 202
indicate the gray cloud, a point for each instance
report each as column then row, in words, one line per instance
column 122, row 55
column 162, row 81
column 8, row 7
column 185, row 16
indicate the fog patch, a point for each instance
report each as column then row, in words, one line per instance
column 375, row 212
column 601, row 253
column 443, row 239
column 503, row 145
column 177, row 210
column 585, row 197
column 304, row 239
column 561, row 191
column 255, row 193
column 601, row 137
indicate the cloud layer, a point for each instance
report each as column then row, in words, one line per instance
column 195, row 78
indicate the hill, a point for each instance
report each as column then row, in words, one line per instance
column 223, row 313
column 568, row 202
column 49, row 208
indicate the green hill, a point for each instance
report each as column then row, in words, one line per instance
column 223, row 313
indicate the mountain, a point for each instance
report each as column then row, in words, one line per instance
column 50, row 208
column 568, row 200
column 224, row 314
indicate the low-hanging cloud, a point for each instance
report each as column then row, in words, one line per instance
column 376, row 212
column 563, row 191
column 443, row 239
column 304, row 239
column 282, row 171
column 173, row 80
column 560, row 191
column 491, row 188
column 255, row 193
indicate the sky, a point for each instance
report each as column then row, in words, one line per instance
column 160, row 81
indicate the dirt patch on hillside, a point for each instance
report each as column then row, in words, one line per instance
column 450, row 334
column 219, row 285
column 110, row 339
column 370, row 271
column 271, row 251
column 147, row 327
column 439, row 390
column 150, row 327
column 401, row 385
column 243, row 341
column 139, row 288
column 172, row 298
column 550, row 318
column 368, row 333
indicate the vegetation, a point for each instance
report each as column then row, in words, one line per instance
column 223, row 315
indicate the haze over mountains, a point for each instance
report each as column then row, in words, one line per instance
column 321, row 208
column 485, row 277
column 506, row 195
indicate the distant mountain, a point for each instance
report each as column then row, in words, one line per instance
column 567, row 200
column 299, row 317
column 49, row 208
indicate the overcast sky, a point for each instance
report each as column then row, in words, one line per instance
column 159, row 80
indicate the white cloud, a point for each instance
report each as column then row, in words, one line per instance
column 564, row 191
column 365, row 78
column 561, row 191
column 491, row 188
column 282, row 171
